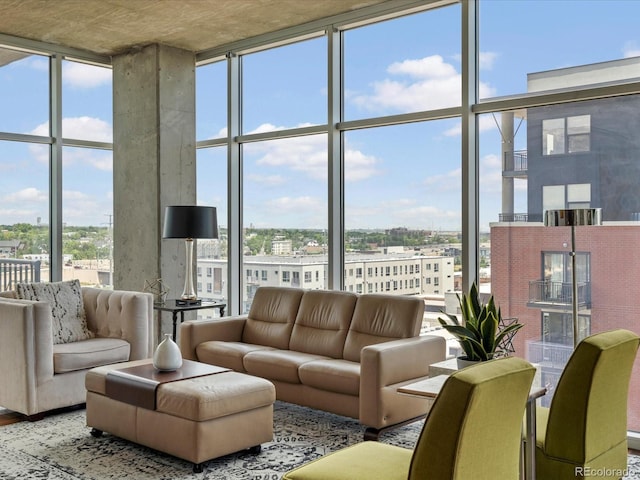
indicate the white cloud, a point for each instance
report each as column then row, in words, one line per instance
column 297, row 204
column 81, row 75
column 427, row 67
column 267, row 180
column 302, row 154
column 359, row 166
column 487, row 59
column 431, row 84
column 446, row 182
column 85, row 128
column 26, row 195
column 88, row 128
column 308, row 155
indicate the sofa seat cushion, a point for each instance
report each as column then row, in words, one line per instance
column 69, row 357
column 226, row 354
column 281, row 365
column 333, row 375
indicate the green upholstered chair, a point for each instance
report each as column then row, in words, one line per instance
column 473, row 431
column 585, row 427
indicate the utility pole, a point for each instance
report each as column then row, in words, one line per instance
column 110, row 239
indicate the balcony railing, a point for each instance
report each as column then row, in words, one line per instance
column 515, row 163
column 520, row 217
column 549, row 355
column 558, row 293
column 550, row 360
column 13, row 271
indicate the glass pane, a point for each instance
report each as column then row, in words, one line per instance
column 87, row 105
column 87, row 216
column 403, row 211
column 285, row 214
column 515, row 57
column 24, row 92
column 211, row 254
column 24, row 213
column 211, row 101
column 285, row 87
column 531, row 268
column 403, row 65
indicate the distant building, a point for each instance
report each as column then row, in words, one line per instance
column 579, row 155
column 9, row 248
column 395, row 274
column 281, row 247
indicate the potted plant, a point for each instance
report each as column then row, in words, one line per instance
column 483, row 331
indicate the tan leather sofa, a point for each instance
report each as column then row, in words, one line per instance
column 330, row 350
column 37, row 376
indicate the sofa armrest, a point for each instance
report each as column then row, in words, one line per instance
column 26, row 352
column 385, row 365
column 121, row 314
column 396, row 361
column 195, row 332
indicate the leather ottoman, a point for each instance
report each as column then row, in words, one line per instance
column 196, row 418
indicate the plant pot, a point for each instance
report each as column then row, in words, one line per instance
column 464, row 362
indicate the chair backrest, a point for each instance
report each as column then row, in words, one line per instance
column 474, row 429
column 588, row 412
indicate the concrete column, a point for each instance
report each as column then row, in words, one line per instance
column 154, row 162
column 507, row 163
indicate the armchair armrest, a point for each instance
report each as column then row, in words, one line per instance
column 26, row 348
column 195, row 332
column 121, row 314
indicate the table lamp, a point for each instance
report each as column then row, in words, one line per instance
column 573, row 218
column 189, row 222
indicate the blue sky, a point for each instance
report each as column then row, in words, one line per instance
column 396, row 176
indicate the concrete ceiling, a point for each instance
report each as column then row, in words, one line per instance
column 110, row 27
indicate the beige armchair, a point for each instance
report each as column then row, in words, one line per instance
column 37, row 375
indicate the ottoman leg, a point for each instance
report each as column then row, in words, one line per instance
column 197, row 468
column 96, row 433
column 255, row 449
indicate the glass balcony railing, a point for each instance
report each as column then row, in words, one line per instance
column 546, row 292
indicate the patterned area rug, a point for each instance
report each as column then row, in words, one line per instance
column 61, row 448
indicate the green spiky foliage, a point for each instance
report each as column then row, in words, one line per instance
column 481, row 333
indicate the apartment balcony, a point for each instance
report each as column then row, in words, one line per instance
column 550, row 360
column 559, row 295
column 520, row 217
column 514, row 164
column 13, row 271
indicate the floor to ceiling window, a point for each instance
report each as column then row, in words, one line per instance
column 546, row 151
column 56, row 169
column 554, row 124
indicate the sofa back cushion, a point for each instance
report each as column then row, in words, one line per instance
column 271, row 316
column 381, row 318
column 322, row 322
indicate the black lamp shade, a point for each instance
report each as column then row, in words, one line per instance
column 187, row 221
